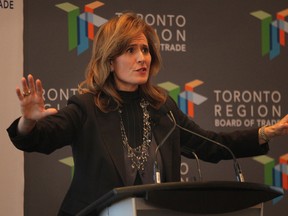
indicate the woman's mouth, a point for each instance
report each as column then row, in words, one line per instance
column 142, row 69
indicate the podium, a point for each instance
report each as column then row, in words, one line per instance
column 185, row 199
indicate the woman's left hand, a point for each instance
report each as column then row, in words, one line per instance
column 278, row 129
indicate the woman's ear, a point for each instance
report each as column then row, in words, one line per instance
column 111, row 65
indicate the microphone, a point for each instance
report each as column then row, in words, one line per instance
column 237, row 168
column 157, row 174
column 198, row 166
column 171, row 117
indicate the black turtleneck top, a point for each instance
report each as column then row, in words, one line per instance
column 132, row 115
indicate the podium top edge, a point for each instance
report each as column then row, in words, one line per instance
column 221, row 185
column 257, row 193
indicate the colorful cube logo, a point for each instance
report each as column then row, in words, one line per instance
column 187, row 98
column 272, row 32
column 81, row 26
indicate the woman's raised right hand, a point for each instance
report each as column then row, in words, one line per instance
column 31, row 104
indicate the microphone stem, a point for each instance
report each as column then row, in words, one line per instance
column 198, row 166
column 157, row 175
column 237, row 168
column 238, row 171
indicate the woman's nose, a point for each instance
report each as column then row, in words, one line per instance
column 140, row 56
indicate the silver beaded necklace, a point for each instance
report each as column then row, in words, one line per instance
column 140, row 154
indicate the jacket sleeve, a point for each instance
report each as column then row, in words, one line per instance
column 52, row 132
column 243, row 143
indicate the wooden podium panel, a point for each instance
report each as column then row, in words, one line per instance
column 200, row 198
column 139, row 207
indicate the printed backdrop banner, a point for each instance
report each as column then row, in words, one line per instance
column 11, row 68
column 225, row 63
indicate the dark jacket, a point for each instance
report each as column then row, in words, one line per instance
column 95, row 138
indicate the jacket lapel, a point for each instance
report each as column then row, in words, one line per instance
column 111, row 136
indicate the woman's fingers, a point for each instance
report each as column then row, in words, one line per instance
column 39, row 88
column 31, row 84
column 25, row 87
column 19, row 93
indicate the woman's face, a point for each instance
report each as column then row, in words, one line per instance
column 132, row 67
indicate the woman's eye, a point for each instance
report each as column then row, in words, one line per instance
column 130, row 50
column 145, row 50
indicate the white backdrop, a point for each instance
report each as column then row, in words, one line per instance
column 11, row 70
